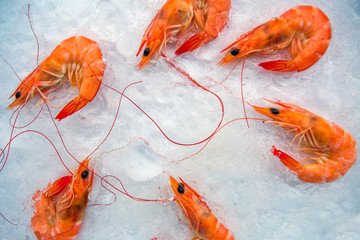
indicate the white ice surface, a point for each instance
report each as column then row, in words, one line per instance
column 246, row 187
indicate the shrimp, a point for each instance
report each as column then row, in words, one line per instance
column 175, row 17
column 172, row 19
column 78, row 59
column 201, row 220
column 333, row 149
column 306, row 30
column 60, row 209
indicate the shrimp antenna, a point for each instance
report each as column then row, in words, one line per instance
column 242, row 92
column 37, row 40
column 11, row 67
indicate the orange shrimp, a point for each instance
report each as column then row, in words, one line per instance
column 305, row 29
column 59, row 211
column 78, row 59
column 333, row 149
column 174, row 18
column 201, row 220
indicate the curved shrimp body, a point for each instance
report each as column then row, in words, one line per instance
column 210, row 17
column 78, row 59
column 306, row 30
column 204, row 224
column 59, row 209
column 333, row 149
column 172, row 19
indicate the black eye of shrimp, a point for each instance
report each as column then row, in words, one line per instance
column 17, row 95
column 181, row 188
column 146, row 51
column 274, row 111
column 235, row 52
column 84, row 174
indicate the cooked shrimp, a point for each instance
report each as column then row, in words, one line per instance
column 175, row 17
column 172, row 19
column 211, row 16
column 204, row 224
column 305, row 29
column 333, row 149
column 78, row 59
column 59, row 211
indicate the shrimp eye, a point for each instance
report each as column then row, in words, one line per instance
column 146, row 51
column 181, row 188
column 17, row 95
column 84, row 174
column 274, row 111
column 235, row 52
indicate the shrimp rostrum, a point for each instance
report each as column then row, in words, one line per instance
column 332, row 149
column 306, row 30
column 77, row 59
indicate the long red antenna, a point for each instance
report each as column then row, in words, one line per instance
column 37, row 40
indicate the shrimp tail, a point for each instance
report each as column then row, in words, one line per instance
column 75, row 105
column 194, row 42
column 288, row 161
column 280, row 66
